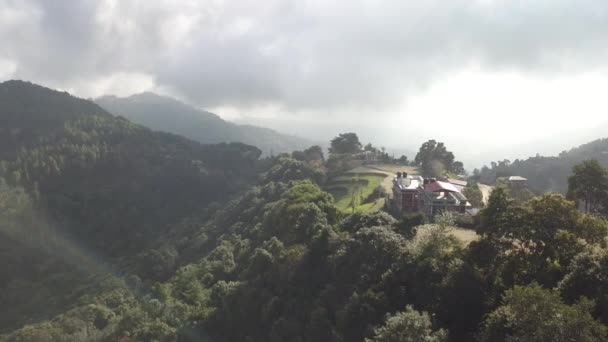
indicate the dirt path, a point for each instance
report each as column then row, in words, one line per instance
column 485, row 192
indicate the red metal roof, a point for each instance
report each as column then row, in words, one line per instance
column 439, row 186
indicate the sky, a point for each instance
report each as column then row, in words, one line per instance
column 492, row 79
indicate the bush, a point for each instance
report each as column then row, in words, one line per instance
column 408, row 222
column 378, row 193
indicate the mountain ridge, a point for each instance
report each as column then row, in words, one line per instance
column 547, row 173
column 164, row 113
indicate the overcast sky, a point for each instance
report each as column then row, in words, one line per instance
column 503, row 73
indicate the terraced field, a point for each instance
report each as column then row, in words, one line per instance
column 357, row 188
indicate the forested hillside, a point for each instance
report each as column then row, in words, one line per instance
column 546, row 173
column 73, row 173
column 112, row 232
column 169, row 115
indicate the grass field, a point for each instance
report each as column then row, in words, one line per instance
column 357, row 186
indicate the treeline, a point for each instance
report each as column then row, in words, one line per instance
column 545, row 174
column 346, row 151
column 433, row 158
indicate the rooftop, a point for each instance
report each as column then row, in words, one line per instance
column 458, row 182
column 409, row 183
column 517, row 178
column 439, row 186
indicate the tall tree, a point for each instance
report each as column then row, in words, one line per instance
column 589, row 184
column 473, row 194
column 435, row 159
column 345, row 143
column 313, row 153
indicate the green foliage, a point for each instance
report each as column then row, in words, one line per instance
column 408, row 326
column 311, row 154
column 457, row 168
column 435, row 160
column 533, row 241
column 29, row 111
column 116, row 186
column 535, row 314
column 494, row 214
column 473, row 194
column 587, row 277
column 408, row 222
column 338, row 164
column 111, row 232
column 38, row 264
column 547, row 173
column 589, row 184
column 345, row 143
column 288, row 169
column 356, row 192
column 403, row 160
column 356, row 221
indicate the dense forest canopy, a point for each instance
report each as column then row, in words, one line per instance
column 113, row 187
column 112, row 232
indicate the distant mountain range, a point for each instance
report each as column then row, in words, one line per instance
column 166, row 114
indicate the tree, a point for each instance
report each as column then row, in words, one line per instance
column 458, row 168
column 403, row 160
column 369, row 147
column 287, row 169
column 537, row 315
column 587, row 278
column 473, row 194
column 435, row 160
column 408, row 326
column 345, row 143
column 588, row 183
column 492, row 215
column 311, row 154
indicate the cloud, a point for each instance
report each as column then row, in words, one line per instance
column 305, row 56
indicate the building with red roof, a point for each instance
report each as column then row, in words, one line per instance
column 429, row 196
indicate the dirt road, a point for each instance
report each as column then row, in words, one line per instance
column 485, row 192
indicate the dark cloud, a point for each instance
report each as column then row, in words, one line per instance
column 308, row 55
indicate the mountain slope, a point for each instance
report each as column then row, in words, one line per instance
column 28, row 111
column 169, row 115
column 84, row 194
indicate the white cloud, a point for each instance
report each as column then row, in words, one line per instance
column 508, row 107
column 7, row 68
column 120, row 84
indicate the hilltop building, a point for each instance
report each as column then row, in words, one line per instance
column 517, row 182
column 412, row 194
